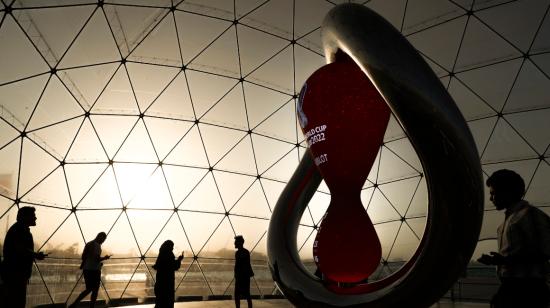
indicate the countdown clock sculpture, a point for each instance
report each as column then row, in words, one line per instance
column 373, row 69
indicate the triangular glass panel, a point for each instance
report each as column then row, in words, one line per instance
column 284, row 168
column 52, row 191
column 86, row 146
column 204, row 198
column 94, row 44
column 121, row 240
column 530, row 90
column 118, row 97
column 387, row 232
column 189, row 151
column 219, row 141
column 262, row 102
column 193, row 277
column 220, row 244
column 148, row 81
column 232, row 186
column 103, row 194
column 533, row 126
column 240, row 159
column 441, row 43
column 481, row 131
column 400, row 193
column 253, row 203
column 48, row 221
column 306, row 63
column 173, row 231
column 417, row 17
column 537, row 191
column 154, row 194
column 66, row 241
column 392, row 11
column 541, row 41
column 405, row 244
column 302, row 238
column 113, row 130
column 142, row 276
column 35, row 165
column 274, row 73
column 381, row 210
column 437, row 68
column 254, row 232
column 18, row 57
column 9, row 170
column 265, row 18
column 187, row 25
column 256, row 47
column 272, row 191
column 542, row 61
column 393, row 165
column 174, row 102
column 280, row 123
column 419, row 204
column 308, row 15
column 132, row 178
column 39, row 294
column 269, row 151
column 471, row 106
column 134, row 22
column 491, row 220
column 311, row 42
column 58, row 36
column 404, row 149
column 229, row 111
column 57, row 138
column 7, row 133
column 55, row 105
column 499, row 146
column 526, row 18
column 160, row 46
column 182, row 180
column 92, row 222
column 8, row 214
column 394, row 130
column 166, row 133
column 479, row 37
column 147, row 224
column 115, row 281
column 221, row 56
column 206, row 89
column 199, row 227
column 417, row 225
column 137, row 147
column 87, row 83
column 243, row 7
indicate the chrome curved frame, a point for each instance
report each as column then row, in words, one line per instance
column 444, row 145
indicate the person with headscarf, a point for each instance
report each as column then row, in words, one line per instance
column 166, row 266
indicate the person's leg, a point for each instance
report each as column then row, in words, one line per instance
column 95, row 280
column 16, row 293
column 249, row 301
column 80, row 297
column 237, row 300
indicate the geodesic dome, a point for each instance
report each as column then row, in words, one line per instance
column 155, row 120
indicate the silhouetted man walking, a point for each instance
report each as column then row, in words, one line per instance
column 523, row 245
column 18, row 258
column 243, row 272
column 91, row 268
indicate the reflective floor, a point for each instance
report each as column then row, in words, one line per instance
column 276, row 303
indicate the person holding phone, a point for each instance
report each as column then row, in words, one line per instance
column 91, row 268
column 19, row 255
column 166, row 266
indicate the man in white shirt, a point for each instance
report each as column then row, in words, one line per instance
column 91, row 268
column 523, row 245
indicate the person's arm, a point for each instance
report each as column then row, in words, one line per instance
column 177, row 262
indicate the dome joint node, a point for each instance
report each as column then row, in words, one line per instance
column 100, row 3
column 226, row 213
column 73, row 209
column 23, row 134
column 210, row 168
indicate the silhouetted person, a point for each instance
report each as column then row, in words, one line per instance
column 166, row 266
column 91, row 268
column 243, row 272
column 523, row 245
column 19, row 256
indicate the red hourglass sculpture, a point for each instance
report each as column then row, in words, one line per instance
column 344, row 119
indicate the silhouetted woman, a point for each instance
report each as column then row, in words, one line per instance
column 166, row 266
